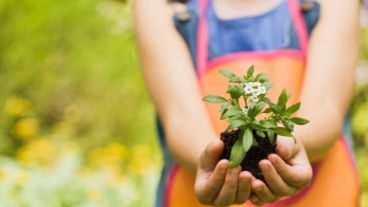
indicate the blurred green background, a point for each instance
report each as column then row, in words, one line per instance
column 76, row 123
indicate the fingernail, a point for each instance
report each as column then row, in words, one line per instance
column 272, row 158
column 223, row 165
column 245, row 176
column 269, row 165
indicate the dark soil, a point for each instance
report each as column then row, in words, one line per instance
column 254, row 155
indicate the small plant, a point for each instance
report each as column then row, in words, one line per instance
column 254, row 120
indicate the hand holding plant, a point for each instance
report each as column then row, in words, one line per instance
column 257, row 159
column 249, row 138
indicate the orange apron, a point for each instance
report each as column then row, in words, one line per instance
column 335, row 182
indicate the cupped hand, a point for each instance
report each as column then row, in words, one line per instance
column 218, row 185
column 286, row 172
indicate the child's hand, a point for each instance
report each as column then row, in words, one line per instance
column 285, row 173
column 218, row 185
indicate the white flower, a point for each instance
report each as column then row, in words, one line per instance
column 262, row 90
column 255, row 92
column 254, row 89
column 247, row 89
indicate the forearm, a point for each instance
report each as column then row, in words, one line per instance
column 330, row 76
column 324, row 129
column 187, row 135
column 172, row 83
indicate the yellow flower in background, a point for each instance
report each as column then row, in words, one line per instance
column 22, row 178
column 26, row 128
column 38, row 151
column 111, row 154
column 2, row 175
column 115, row 177
column 93, row 194
column 116, row 152
column 141, row 162
column 16, row 106
column 63, row 128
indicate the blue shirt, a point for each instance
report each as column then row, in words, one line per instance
column 266, row 31
column 246, row 33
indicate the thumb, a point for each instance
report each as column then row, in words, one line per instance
column 211, row 155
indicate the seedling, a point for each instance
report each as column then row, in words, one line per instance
column 254, row 120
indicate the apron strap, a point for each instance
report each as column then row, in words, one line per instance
column 202, row 38
column 202, row 35
column 299, row 24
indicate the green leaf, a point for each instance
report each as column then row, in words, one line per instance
column 258, row 76
column 250, row 71
column 259, row 106
column 214, row 99
column 268, row 110
column 236, row 80
column 232, row 111
column 275, row 108
column 254, row 142
column 240, row 117
column 299, row 121
column 227, row 73
column 235, row 92
column 256, row 109
column 222, row 114
column 288, row 125
column 294, row 108
column 224, row 106
column 256, row 125
column 260, row 133
column 267, row 124
column 283, row 132
column 267, row 85
column 283, row 98
column 271, row 136
column 247, row 139
column 237, row 153
column 236, row 124
column 263, row 78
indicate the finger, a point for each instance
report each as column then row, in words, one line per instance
column 277, row 185
column 211, row 155
column 228, row 191
column 285, row 147
column 208, row 188
column 262, row 191
column 256, row 200
column 298, row 175
column 243, row 191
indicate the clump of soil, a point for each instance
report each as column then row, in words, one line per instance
column 255, row 154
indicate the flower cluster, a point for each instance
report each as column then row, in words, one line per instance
column 254, row 90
